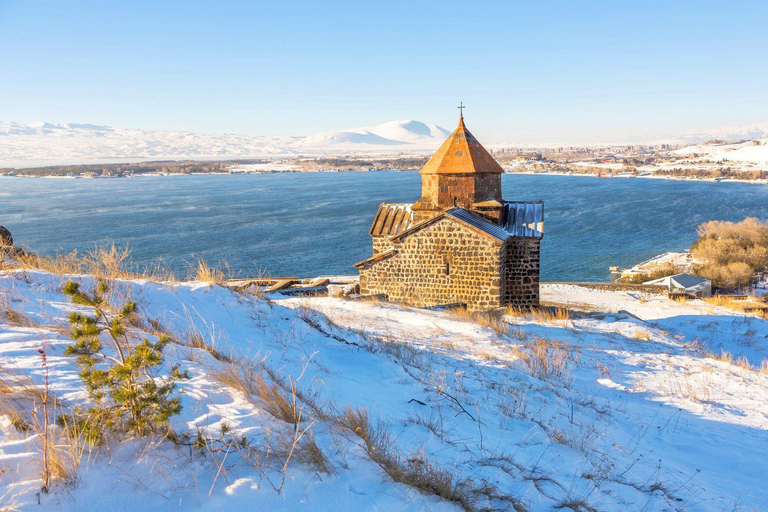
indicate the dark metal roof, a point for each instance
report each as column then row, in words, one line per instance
column 688, row 280
column 479, row 223
column 525, row 219
column 392, row 219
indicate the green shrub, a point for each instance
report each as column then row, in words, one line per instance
column 128, row 395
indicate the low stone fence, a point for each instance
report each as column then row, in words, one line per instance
column 620, row 287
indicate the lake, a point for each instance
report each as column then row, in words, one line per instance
column 308, row 224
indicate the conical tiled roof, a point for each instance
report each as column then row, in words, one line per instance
column 461, row 153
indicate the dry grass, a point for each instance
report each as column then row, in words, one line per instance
column 308, row 453
column 642, row 335
column 265, row 392
column 546, row 316
column 492, row 319
column 547, row 359
column 201, row 270
column 283, row 401
column 14, row 317
column 105, row 261
column 415, row 471
column 576, row 505
column 727, row 357
column 512, row 404
column 742, row 305
column 30, row 409
column 694, row 386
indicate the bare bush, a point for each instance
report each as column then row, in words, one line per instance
column 732, row 253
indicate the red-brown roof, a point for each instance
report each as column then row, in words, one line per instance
column 461, row 153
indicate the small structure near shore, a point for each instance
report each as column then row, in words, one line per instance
column 685, row 284
column 461, row 243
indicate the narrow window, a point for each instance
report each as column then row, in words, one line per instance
column 447, row 269
column 455, row 201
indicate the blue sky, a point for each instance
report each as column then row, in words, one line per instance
column 528, row 71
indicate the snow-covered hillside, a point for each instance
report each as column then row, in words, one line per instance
column 755, row 152
column 46, row 143
column 615, row 409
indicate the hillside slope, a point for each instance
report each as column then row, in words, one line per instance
column 613, row 410
column 754, row 152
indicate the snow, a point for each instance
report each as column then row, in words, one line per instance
column 639, row 420
column 42, row 143
column 755, row 152
column 728, row 133
column 409, row 132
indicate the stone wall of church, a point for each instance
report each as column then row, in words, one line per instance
column 441, row 264
column 444, row 191
column 448, row 190
column 487, row 187
column 381, row 244
column 520, row 277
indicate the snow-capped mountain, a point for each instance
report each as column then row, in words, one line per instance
column 40, row 143
column 388, row 134
column 724, row 133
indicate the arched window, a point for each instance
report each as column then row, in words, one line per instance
column 455, row 201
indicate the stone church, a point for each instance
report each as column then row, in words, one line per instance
column 461, row 242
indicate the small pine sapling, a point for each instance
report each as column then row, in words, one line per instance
column 128, row 395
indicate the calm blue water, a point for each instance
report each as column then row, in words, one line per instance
column 317, row 223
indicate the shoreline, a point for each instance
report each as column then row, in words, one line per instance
column 528, row 173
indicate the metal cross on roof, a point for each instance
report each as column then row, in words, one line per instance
column 461, row 108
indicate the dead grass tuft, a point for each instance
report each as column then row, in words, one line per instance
column 492, row 319
column 249, row 379
column 642, row 335
column 750, row 305
column 558, row 316
column 415, row 471
column 106, row 261
column 14, row 317
column 29, row 409
column 201, row 270
column 546, row 358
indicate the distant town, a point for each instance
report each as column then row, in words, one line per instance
column 715, row 160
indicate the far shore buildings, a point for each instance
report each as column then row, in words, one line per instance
column 461, row 243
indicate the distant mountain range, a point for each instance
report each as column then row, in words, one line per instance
column 393, row 133
column 41, row 143
column 724, row 133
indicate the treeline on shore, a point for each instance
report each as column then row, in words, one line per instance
column 129, row 169
column 730, row 254
column 355, row 164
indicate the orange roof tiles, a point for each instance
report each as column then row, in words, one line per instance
column 461, row 153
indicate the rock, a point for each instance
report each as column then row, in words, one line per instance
column 6, row 244
column 341, row 291
column 351, row 289
column 335, row 290
column 5, row 237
